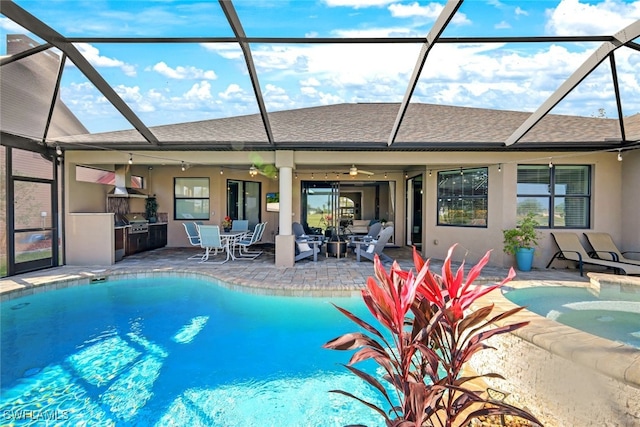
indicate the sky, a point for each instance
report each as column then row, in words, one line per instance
column 183, row 82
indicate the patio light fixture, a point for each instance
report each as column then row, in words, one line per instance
column 253, row 171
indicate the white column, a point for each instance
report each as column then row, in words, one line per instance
column 285, row 240
column 285, row 175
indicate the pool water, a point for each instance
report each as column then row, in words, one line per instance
column 177, row 352
column 577, row 307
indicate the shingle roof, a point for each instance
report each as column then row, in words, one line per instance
column 367, row 126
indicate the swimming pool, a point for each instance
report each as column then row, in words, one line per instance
column 165, row 351
column 577, row 307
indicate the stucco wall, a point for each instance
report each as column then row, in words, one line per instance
column 613, row 211
column 629, row 239
column 607, row 202
column 90, row 239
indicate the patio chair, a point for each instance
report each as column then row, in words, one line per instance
column 300, row 233
column 307, row 248
column 603, row 246
column 374, row 232
column 571, row 249
column 248, row 240
column 240, row 225
column 191, row 228
column 374, row 247
column 210, row 240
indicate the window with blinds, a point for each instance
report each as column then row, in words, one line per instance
column 462, row 197
column 558, row 196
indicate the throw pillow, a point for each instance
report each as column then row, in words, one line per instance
column 372, row 246
column 303, row 247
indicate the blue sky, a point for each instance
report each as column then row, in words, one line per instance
column 173, row 83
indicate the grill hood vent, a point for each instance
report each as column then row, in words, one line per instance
column 122, row 178
column 126, row 192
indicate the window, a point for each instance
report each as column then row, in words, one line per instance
column 191, row 198
column 559, row 196
column 99, row 176
column 462, row 197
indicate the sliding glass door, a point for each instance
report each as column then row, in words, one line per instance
column 243, row 201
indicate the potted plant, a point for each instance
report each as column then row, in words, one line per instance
column 226, row 223
column 521, row 241
column 151, row 209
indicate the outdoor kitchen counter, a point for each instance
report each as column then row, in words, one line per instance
column 154, row 237
column 89, row 238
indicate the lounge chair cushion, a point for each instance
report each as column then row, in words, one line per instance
column 372, row 246
column 303, row 246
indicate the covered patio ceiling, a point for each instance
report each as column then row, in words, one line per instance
column 377, row 123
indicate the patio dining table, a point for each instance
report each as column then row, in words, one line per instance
column 232, row 237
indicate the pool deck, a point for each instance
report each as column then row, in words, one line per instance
column 328, row 276
column 345, row 276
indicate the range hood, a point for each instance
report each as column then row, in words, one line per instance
column 122, row 178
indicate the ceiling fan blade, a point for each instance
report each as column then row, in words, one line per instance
column 365, row 172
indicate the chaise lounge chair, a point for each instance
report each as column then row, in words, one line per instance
column 572, row 250
column 210, row 240
column 604, row 247
column 369, row 249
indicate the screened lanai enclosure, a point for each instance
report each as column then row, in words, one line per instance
column 432, row 115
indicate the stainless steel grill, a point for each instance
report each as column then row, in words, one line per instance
column 137, row 223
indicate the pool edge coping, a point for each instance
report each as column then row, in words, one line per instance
column 615, row 360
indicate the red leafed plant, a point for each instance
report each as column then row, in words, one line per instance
column 430, row 336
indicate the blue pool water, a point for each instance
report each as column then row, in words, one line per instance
column 176, row 352
column 614, row 319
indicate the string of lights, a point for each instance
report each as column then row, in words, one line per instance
column 254, row 171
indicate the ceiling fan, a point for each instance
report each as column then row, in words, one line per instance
column 353, row 171
column 269, row 171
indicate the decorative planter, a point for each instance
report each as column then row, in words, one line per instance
column 226, row 229
column 524, row 258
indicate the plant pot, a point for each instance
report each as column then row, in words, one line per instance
column 226, row 229
column 524, row 258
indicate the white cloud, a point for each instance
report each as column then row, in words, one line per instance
column 574, row 18
column 502, row 25
column 225, row 50
column 199, row 92
column 181, row 73
column 92, row 54
column 430, row 11
column 276, row 98
column 11, row 27
column 310, row 82
column 232, row 91
column 519, row 11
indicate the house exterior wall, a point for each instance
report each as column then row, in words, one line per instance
column 630, row 222
column 614, row 192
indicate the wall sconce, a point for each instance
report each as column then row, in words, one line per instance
column 253, row 171
column 619, row 155
column 499, row 167
column 58, row 150
column 130, row 158
column 221, row 171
